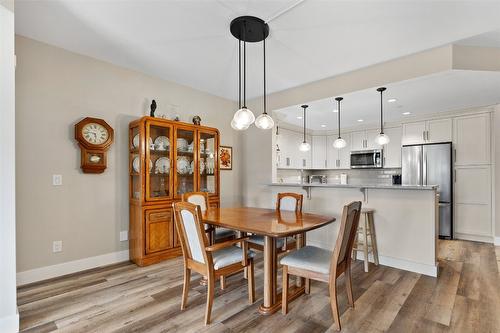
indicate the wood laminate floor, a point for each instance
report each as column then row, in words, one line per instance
column 126, row 298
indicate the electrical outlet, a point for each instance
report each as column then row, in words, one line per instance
column 123, row 235
column 57, row 180
column 57, row 246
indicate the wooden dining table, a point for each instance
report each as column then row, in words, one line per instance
column 271, row 224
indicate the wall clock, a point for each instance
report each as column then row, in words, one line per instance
column 94, row 137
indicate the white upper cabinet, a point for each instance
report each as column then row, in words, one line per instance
column 439, row 130
column 472, row 140
column 392, row 150
column 339, row 158
column 430, row 131
column 371, row 135
column 319, row 159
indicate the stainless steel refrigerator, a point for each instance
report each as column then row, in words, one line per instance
column 431, row 164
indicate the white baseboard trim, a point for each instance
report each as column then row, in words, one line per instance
column 49, row 272
column 425, row 269
column 497, row 241
column 474, row 238
column 9, row 324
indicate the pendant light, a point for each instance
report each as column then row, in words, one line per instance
column 304, row 146
column 339, row 143
column 382, row 139
column 249, row 29
column 264, row 121
column 235, row 125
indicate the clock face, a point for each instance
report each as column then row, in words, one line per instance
column 95, row 134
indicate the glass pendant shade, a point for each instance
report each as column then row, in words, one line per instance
column 264, row 121
column 339, row 143
column 244, row 117
column 382, row 139
column 237, row 126
column 304, row 146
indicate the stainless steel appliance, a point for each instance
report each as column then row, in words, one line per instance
column 366, row 159
column 431, row 164
column 317, row 179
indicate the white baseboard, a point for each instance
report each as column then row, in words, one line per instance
column 9, row 324
column 49, row 272
column 497, row 241
column 430, row 270
column 474, row 238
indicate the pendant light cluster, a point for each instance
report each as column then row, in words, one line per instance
column 304, row 146
column 249, row 29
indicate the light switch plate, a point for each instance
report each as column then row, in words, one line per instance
column 57, row 246
column 57, row 180
column 123, row 235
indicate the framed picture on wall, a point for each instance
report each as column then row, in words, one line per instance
column 226, row 158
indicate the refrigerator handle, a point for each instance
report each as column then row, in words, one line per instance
column 424, row 169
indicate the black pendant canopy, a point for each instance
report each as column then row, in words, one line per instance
column 249, row 29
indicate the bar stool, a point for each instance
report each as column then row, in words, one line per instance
column 368, row 241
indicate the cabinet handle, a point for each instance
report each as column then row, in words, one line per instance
column 288, row 161
column 325, row 164
column 423, row 135
column 427, row 135
column 455, row 155
column 303, row 162
column 383, row 164
column 454, row 176
column 338, row 163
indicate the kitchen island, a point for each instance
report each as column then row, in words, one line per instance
column 406, row 219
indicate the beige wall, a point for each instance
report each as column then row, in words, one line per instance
column 54, row 90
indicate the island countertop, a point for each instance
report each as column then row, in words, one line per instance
column 361, row 186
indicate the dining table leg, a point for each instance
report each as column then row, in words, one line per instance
column 270, row 275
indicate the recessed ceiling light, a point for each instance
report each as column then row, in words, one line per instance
column 335, row 110
column 323, row 125
column 391, row 100
column 299, row 117
column 360, row 120
column 406, row 113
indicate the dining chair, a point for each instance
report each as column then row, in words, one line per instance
column 284, row 202
column 214, row 233
column 315, row 263
column 212, row 261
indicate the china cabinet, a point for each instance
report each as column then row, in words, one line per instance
column 167, row 158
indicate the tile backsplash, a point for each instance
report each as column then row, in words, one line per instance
column 354, row 176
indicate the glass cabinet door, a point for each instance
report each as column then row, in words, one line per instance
column 135, row 164
column 207, row 162
column 184, row 161
column 158, row 161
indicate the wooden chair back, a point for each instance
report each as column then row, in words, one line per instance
column 197, row 198
column 289, row 201
column 341, row 257
column 192, row 235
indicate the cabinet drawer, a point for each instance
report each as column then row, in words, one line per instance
column 159, row 230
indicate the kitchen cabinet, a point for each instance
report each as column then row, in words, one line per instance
column 472, row 139
column 473, row 202
column 319, row 159
column 290, row 156
column 429, row 131
column 339, row 158
column 392, row 150
column 364, row 140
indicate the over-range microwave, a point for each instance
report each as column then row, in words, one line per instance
column 366, row 159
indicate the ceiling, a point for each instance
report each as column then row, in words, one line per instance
column 188, row 42
column 441, row 92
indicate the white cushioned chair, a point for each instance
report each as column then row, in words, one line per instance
column 311, row 262
column 214, row 233
column 284, row 202
column 213, row 261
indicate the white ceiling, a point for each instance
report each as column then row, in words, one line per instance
column 189, row 41
column 488, row 39
column 447, row 91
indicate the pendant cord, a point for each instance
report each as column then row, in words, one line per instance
column 265, row 106
column 244, row 67
column 338, row 103
column 304, row 123
column 239, row 74
column 381, row 113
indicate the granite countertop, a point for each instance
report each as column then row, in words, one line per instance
column 369, row 186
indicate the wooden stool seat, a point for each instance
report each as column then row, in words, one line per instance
column 368, row 241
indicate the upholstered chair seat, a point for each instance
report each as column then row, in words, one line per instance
column 310, row 258
column 228, row 256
